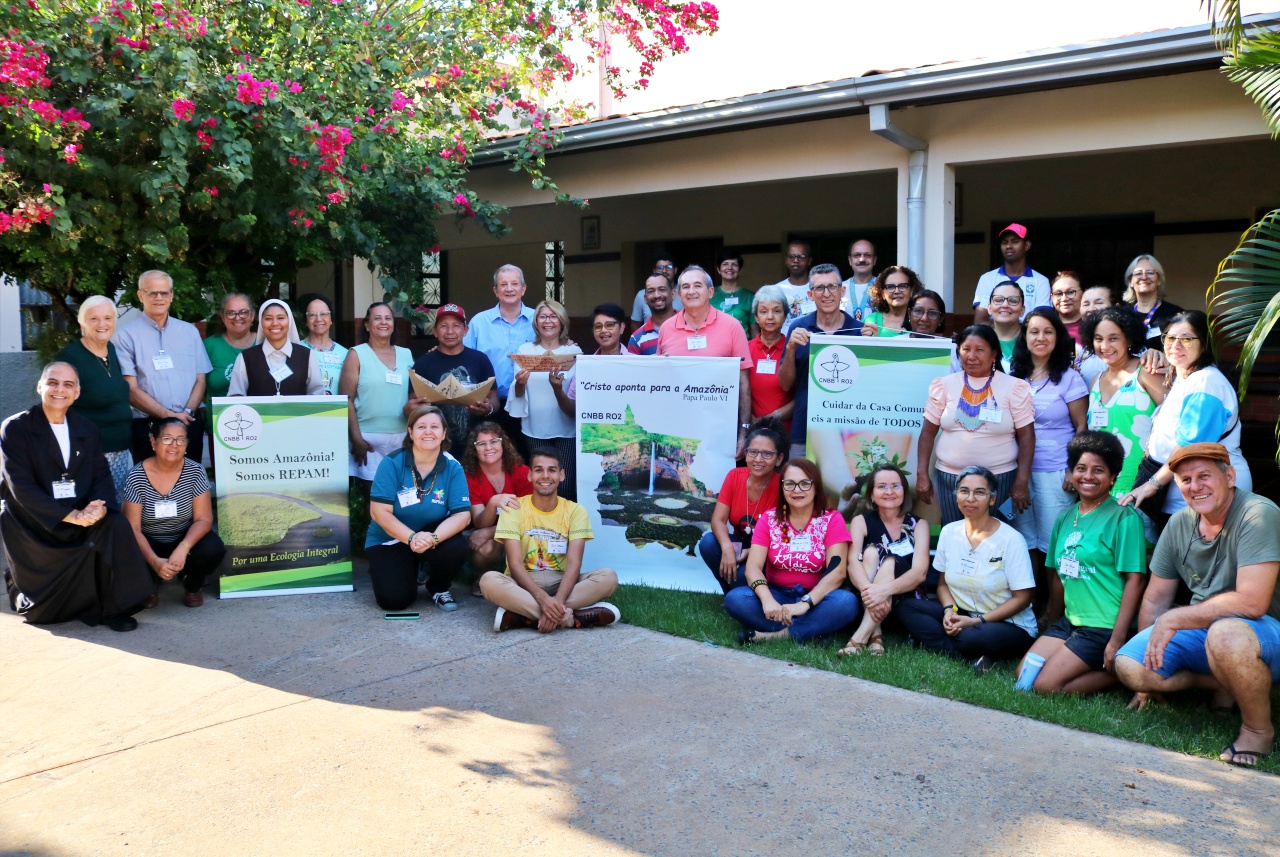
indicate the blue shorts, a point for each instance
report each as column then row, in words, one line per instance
column 1186, row 650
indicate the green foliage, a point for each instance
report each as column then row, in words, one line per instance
column 1182, row 724
column 50, row 340
column 231, row 143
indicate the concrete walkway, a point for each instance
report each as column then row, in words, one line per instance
column 310, row 725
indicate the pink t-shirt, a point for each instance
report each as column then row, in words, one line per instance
column 991, row 444
column 786, row 566
column 724, row 337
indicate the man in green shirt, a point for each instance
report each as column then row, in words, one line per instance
column 1225, row 546
column 731, row 298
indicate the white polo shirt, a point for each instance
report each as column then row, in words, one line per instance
column 1035, row 288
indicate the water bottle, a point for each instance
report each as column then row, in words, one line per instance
column 1031, row 666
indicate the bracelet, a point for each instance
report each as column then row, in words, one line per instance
column 435, row 540
column 756, row 583
column 950, row 607
column 1154, row 483
column 982, row 619
column 490, row 408
column 184, row 546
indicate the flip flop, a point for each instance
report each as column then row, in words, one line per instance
column 852, row 648
column 1257, row 755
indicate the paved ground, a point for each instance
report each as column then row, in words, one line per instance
column 309, row 725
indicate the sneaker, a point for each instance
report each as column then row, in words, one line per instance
column 505, row 620
column 983, row 665
column 597, row 615
column 445, row 601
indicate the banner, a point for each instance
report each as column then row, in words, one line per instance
column 656, row 437
column 866, row 405
column 280, row 465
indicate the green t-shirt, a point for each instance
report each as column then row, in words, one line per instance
column 877, row 318
column 222, row 355
column 1250, row 535
column 1006, row 350
column 737, row 304
column 1106, row 544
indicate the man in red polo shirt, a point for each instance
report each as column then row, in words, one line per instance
column 701, row 330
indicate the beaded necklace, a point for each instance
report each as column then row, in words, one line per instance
column 971, row 402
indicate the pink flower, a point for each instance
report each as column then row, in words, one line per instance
column 47, row 188
column 69, row 153
column 206, row 142
column 307, row 223
column 184, row 108
column 294, row 86
column 212, row 191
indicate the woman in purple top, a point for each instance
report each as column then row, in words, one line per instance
column 1042, row 357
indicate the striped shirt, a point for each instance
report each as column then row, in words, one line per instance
column 171, row 528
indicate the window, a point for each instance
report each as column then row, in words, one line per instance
column 435, row 289
column 555, row 271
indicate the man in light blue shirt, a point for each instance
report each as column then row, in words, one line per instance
column 498, row 332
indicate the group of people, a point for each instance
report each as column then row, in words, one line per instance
column 1073, row 434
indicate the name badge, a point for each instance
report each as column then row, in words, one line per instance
column 695, row 343
column 162, row 361
column 766, row 367
column 560, row 546
column 394, row 378
column 408, row 497
column 166, row 509
column 1154, row 330
column 801, row 544
column 968, row 566
column 728, row 302
column 1069, row 566
column 64, row 489
column 1097, row 418
column 988, row 414
column 902, row 547
column 281, row 372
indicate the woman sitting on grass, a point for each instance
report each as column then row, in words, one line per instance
column 745, row 495
column 795, row 566
column 1100, row 552
column 496, row 480
column 983, row 613
column 890, row 554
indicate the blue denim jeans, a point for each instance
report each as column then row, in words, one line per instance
column 836, row 610
column 709, row 550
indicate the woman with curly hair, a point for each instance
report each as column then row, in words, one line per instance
column 890, row 555
column 1042, row 357
column 1125, row 395
column 889, row 297
column 496, row 480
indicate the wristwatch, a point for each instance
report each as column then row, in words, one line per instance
column 189, row 412
column 807, row 599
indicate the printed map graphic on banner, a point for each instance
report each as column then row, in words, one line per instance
column 656, row 437
column 866, row 405
column 281, row 489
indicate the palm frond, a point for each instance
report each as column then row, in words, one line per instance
column 1244, row 300
column 1228, row 26
column 1256, row 67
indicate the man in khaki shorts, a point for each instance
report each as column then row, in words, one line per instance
column 544, row 537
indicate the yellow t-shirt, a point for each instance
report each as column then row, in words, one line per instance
column 544, row 536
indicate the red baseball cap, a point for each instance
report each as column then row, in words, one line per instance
column 1017, row 229
column 451, row 309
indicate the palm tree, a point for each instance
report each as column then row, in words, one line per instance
column 1244, row 300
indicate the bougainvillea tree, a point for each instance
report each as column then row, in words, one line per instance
column 231, row 141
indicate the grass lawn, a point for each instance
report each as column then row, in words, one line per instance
column 1184, row 725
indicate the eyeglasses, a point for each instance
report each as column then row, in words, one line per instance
column 554, row 318
column 487, row 444
column 318, row 315
column 605, row 325
column 975, row 493
column 664, row 267
column 885, row 486
column 1184, row 341
column 237, row 313
column 825, row 289
column 760, row 453
column 1144, row 275
column 158, row 294
column 170, row 440
column 1070, row 293
column 792, row 485
column 896, row 287
column 796, row 257
column 1011, row 300
column 921, row 312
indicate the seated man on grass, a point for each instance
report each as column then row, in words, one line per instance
column 1225, row 546
column 544, row 537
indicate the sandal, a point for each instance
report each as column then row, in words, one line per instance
column 746, row 637
column 852, row 648
column 875, row 646
column 1256, row 755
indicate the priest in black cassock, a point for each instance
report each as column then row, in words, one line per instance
column 71, row 553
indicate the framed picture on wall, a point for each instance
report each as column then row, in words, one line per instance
column 591, row 233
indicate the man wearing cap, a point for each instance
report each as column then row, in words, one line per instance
column 1014, row 247
column 452, row 359
column 1225, row 546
